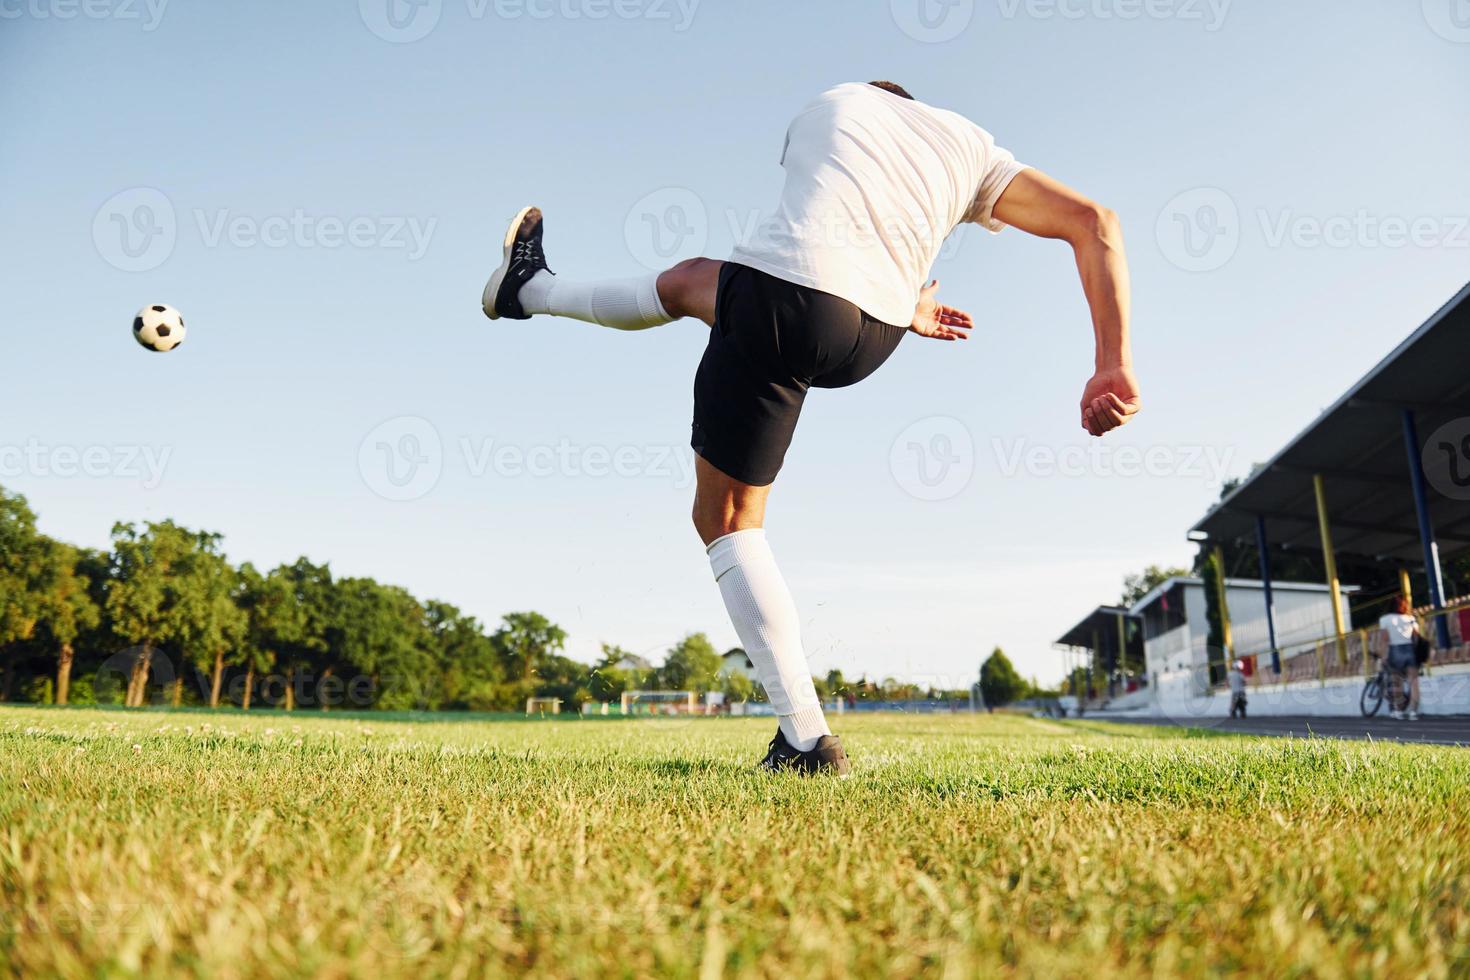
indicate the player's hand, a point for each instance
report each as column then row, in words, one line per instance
column 933, row 319
column 1109, row 400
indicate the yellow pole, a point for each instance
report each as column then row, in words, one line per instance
column 1330, row 560
column 1220, row 591
column 1406, row 586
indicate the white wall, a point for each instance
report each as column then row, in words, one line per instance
column 1302, row 618
column 1167, row 652
column 1178, row 661
column 1445, row 692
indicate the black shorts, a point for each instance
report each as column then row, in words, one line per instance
column 772, row 340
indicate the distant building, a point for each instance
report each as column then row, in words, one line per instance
column 633, row 662
column 1114, row 664
column 1176, row 629
column 736, row 662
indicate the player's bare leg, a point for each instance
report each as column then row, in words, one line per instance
column 729, row 516
column 688, row 289
column 724, row 505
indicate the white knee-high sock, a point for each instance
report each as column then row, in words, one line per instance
column 626, row 304
column 765, row 619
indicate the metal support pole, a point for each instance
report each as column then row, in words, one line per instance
column 1261, row 549
column 1220, row 595
column 1087, row 676
column 1123, row 652
column 1329, row 558
column 1094, row 658
column 1426, row 530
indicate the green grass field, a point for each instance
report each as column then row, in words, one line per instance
column 190, row 843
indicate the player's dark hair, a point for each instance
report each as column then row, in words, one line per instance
column 895, row 88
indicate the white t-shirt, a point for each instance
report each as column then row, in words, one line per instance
column 1400, row 628
column 874, row 184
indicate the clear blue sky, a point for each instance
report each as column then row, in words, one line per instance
column 243, row 119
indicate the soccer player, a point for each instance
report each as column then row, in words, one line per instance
column 819, row 298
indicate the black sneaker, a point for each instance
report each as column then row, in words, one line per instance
column 521, row 259
column 826, row 757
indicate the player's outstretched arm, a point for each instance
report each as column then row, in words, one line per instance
column 1042, row 206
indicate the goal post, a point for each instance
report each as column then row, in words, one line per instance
column 659, row 703
column 543, row 706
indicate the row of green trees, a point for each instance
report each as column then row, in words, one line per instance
column 164, row 615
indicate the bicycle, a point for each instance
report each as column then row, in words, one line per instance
column 1385, row 682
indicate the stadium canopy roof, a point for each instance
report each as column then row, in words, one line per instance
column 1157, row 591
column 1101, row 622
column 1358, row 446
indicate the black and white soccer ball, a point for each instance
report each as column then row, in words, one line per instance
column 159, row 328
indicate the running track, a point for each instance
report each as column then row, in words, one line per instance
column 1430, row 729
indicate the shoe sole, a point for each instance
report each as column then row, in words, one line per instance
column 492, row 288
column 829, row 772
column 805, row 774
